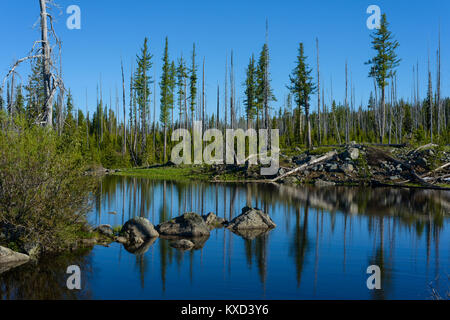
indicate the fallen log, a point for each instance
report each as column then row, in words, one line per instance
column 413, row 173
column 437, row 169
column 327, row 156
column 429, row 145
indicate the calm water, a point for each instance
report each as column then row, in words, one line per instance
column 324, row 241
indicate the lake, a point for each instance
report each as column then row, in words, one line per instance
column 325, row 239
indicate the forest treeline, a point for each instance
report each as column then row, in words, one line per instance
column 127, row 129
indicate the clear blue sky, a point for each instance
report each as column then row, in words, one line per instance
column 114, row 29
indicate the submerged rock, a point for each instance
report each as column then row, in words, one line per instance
column 251, row 218
column 10, row 259
column 138, row 230
column 188, row 225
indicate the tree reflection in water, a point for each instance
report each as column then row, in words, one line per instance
column 321, row 233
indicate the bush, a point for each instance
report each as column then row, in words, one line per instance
column 44, row 193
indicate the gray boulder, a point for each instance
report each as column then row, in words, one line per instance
column 188, row 225
column 347, row 168
column 105, row 229
column 213, row 221
column 138, row 230
column 352, row 153
column 250, row 219
column 10, row 259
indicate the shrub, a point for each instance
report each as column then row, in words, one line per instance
column 44, row 193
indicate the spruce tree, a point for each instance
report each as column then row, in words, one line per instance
column 142, row 81
column 301, row 87
column 165, row 94
column 383, row 65
column 250, row 91
column 181, row 83
column 264, row 93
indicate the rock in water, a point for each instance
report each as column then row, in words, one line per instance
column 182, row 244
column 139, row 230
column 105, row 229
column 213, row 221
column 187, row 225
column 251, row 219
column 10, row 259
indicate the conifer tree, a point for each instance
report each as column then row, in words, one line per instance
column 301, row 87
column 181, row 84
column 264, row 93
column 250, row 91
column 165, row 86
column 383, row 65
column 142, row 81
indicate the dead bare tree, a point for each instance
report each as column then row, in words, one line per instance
column 124, row 142
column 318, row 92
column 51, row 79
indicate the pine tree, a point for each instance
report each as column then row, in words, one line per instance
column 142, row 81
column 264, row 93
column 250, row 91
column 19, row 101
column 165, row 94
column 302, row 86
column 181, row 84
column 383, row 65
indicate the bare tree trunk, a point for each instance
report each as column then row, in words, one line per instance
column 318, row 92
column 383, row 114
column 346, row 105
column 430, row 101
column 218, row 105
column 124, row 142
column 46, row 72
column 438, row 85
column 232, row 91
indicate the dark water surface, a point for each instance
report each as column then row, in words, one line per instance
column 324, row 241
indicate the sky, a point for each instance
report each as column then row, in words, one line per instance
column 115, row 30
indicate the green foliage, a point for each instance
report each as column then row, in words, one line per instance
column 250, row 90
column 384, row 63
column 44, row 193
column 301, row 81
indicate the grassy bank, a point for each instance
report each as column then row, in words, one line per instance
column 167, row 173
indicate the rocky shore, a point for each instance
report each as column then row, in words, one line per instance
column 353, row 164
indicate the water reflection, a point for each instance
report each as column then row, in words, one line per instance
column 324, row 241
column 46, row 280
